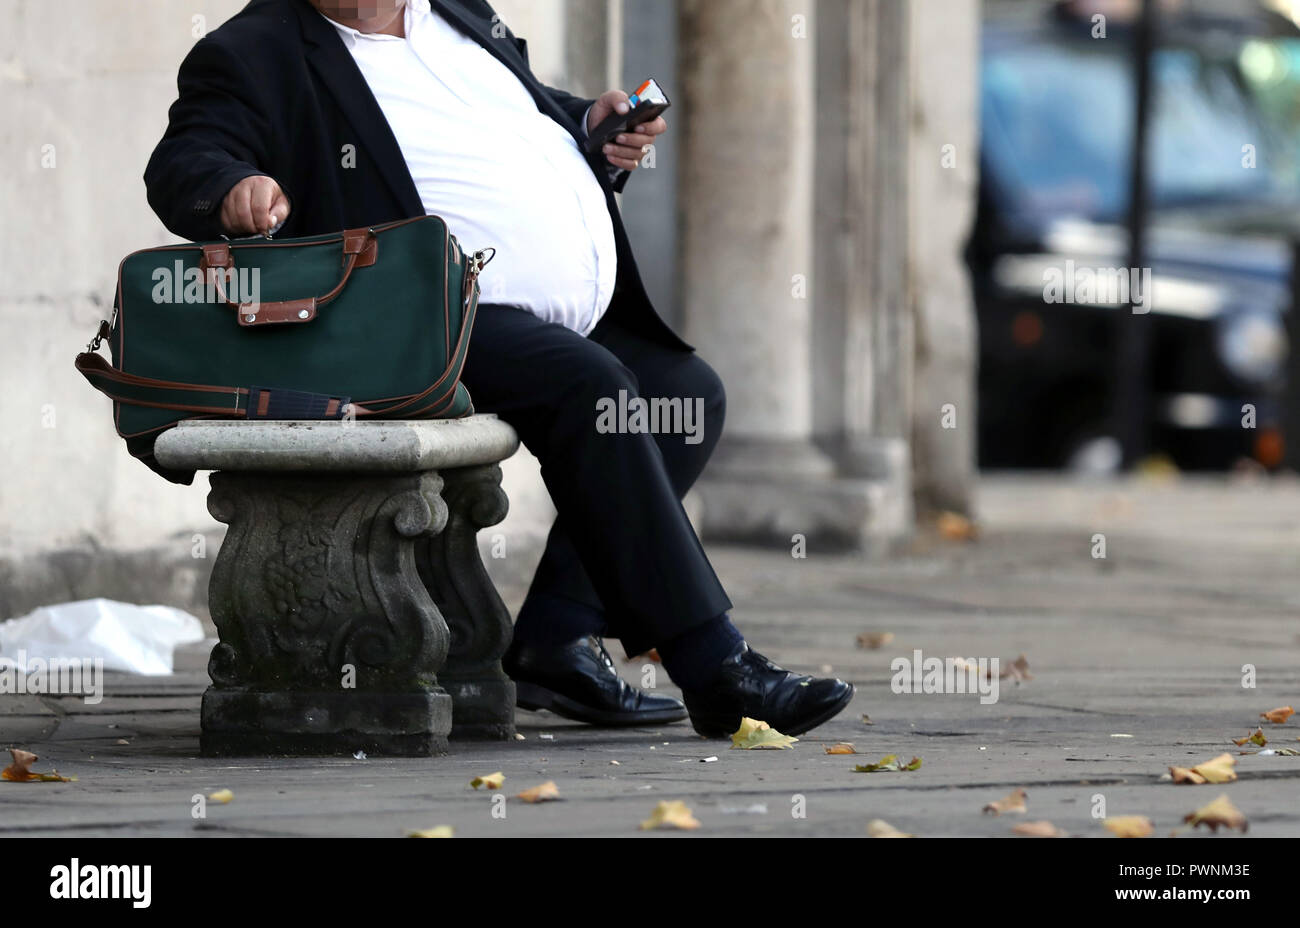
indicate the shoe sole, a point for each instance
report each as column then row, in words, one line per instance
column 716, row 731
column 534, row 697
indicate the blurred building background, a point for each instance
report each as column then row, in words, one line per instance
column 803, row 224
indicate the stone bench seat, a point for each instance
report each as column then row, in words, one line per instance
column 352, row 607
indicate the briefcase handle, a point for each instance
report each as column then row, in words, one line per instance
column 360, row 249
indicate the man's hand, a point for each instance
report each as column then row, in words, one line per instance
column 254, row 206
column 626, row 149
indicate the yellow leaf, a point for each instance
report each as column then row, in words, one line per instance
column 438, row 831
column 671, row 813
column 491, row 780
column 1013, row 801
column 747, row 727
column 1215, row 770
column 879, row 828
column 1255, row 737
column 889, row 764
column 20, row 771
column 872, row 641
column 956, row 527
column 546, row 792
column 754, row 734
column 221, row 796
column 843, row 747
column 1042, row 829
column 1128, row 826
column 1279, row 715
column 1219, row 812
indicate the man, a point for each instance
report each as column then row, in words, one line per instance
column 311, row 116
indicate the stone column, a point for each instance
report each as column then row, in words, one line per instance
column 944, row 137
column 751, row 266
column 863, row 341
column 593, row 45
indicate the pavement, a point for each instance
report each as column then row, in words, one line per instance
column 1135, row 660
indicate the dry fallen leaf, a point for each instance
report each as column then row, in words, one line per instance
column 20, row 771
column 1043, row 829
column 1013, row 801
column 1255, row 737
column 1279, row 715
column 1128, row 826
column 544, row 792
column 866, row 720
column 1215, row 770
column 843, row 747
column 438, row 831
column 1219, row 812
column 956, row 527
column 221, row 796
column 754, row 734
column 671, row 813
column 889, row 764
column 879, row 828
column 491, row 781
column 1017, row 670
column 872, row 641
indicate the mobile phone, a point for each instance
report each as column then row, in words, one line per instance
column 647, row 103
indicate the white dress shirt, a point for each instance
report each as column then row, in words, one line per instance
column 498, row 170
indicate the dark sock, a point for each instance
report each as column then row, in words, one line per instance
column 694, row 658
column 546, row 620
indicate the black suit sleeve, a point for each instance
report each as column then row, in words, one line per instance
column 217, row 134
column 575, row 107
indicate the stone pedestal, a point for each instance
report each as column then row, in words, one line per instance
column 452, row 571
column 352, row 608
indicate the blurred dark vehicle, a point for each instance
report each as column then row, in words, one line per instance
column 1057, row 114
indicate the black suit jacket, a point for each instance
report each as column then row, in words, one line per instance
column 275, row 91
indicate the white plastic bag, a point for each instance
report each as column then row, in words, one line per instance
column 129, row 638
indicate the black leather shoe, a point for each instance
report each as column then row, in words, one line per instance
column 751, row 686
column 578, row 681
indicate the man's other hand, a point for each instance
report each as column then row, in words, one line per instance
column 626, row 149
column 254, row 206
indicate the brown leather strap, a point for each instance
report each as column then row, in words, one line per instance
column 360, row 249
column 161, row 394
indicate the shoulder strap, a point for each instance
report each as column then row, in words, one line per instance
column 236, row 402
column 161, row 394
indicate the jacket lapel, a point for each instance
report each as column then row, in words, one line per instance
column 337, row 70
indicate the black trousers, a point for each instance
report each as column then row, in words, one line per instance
column 621, row 545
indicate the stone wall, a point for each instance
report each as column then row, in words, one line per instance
column 85, row 98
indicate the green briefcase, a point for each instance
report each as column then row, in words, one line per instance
column 370, row 322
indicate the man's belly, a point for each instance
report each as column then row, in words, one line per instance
column 543, row 211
